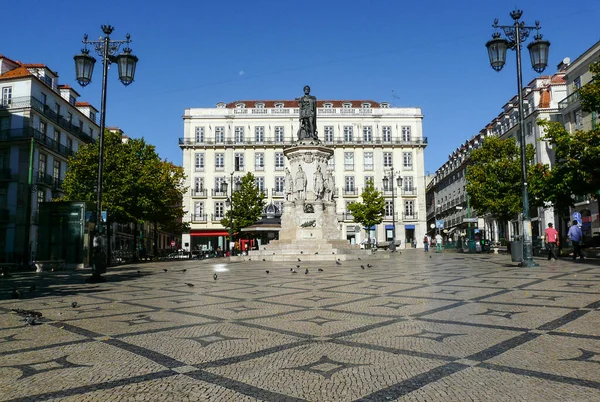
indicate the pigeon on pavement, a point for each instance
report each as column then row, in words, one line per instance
column 267, row 271
column 369, row 266
column 164, row 269
column 74, row 304
column 306, row 272
column 190, row 284
column 362, row 266
column 299, row 259
column 338, row 263
column 215, row 276
column 320, row 269
column 294, row 271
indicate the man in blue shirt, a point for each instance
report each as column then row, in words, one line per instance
column 576, row 236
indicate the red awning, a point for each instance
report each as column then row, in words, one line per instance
column 210, row 233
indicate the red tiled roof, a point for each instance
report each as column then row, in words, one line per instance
column 9, row 59
column 34, row 65
column 294, row 103
column 18, row 72
column 82, row 104
column 65, row 86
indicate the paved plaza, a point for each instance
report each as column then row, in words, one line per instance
column 416, row 327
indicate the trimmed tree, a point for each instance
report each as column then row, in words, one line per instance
column 370, row 211
column 247, row 206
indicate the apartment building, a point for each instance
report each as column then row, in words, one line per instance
column 369, row 139
column 447, row 198
column 42, row 123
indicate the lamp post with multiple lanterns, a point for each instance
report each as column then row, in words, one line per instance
column 106, row 48
column 388, row 181
column 517, row 33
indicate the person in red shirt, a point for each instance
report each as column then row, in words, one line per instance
column 552, row 241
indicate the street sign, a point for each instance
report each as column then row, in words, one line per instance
column 439, row 224
column 577, row 217
column 470, row 220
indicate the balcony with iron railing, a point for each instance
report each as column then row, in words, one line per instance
column 277, row 192
column 218, row 193
column 191, row 142
column 16, row 134
column 568, row 101
column 201, row 192
column 410, row 217
column 216, row 218
column 199, row 218
column 409, row 191
column 25, row 102
column 351, row 191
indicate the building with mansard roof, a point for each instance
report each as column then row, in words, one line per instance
column 369, row 139
column 42, row 123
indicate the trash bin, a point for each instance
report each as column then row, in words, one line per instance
column 516, row 251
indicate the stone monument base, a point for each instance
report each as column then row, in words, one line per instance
column 313, row 250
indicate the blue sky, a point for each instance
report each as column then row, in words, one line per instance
column 429, row 54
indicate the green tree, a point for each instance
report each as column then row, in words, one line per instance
column 494, row 178
column 370, row 211
column 247, row 205
column 590, row 92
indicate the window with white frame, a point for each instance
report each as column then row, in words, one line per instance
column 407, row 161
column 577, row 82
column 259, row 161
column 219, row 210
column 529, row 128
column 578, row 119
column 279, row 105
column 199, row 161
column 198, row 209
column 219, row 134
column 239, row 162
column 279, row 183
column 42, row 160
column 367, row 133
column 328, row 131
column 43, row 127
column 348, row 160
column 406, row 133
column 279, row 133
column 279, row 161
column 331, row 164
column 388, row 162
column 219, row 161
column 347, row 105
column 349, row 181
column 6, row 95
column 199, row 134
column 369, row 179
column 56, row 170
column 368, row 160
column 388, row 208
column 57, row 136
column 198, row 184
column 41, row 197
column 219, row 184
column 365, row 105
column 239, row 134
column 409, row 208
column 328, row 105
column 260, row 183
column 407, row 183
column 386, row 132
column 348, row 133
column 259, row 133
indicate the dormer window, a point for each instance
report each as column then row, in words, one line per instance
column 365, row 105
column 71, row 99
column 221, row 105
column 328, row 105
column 240, row 106
column 92, row 116
column 259, row 105
column 279, row 105
column 384, row 105
column 347, row 105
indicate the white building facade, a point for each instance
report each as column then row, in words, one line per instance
column 41, row 125
column 369, row 139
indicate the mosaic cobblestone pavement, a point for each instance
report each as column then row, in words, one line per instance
column 419, row 327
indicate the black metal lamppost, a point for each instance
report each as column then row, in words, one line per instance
column 229, row 202
column 388, row 181
column 84, row 67
column 517, row 33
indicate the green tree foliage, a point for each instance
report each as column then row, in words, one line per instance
column 590, row 92
column 370, row 211
column 247, row 205
column 136, row 185
column 494, row 178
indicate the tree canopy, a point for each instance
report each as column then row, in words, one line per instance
column 136, row 184
column 370, row 211
column 247, row 205
column 494, row 178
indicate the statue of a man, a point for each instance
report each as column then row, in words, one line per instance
column 308, row 115
column 329, row 187
column 289, row 185
column 318, row 183
column 300, row 184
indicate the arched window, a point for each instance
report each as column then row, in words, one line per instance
column 347, row 105
column 240, row 105
column 279, row 105
column 328, row 105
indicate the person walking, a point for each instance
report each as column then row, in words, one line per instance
column 576, row 236
column 426, row 243
column 552, row 241
column 438, row 243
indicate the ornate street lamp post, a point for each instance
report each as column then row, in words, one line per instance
column 229, row 203
column 84, row 67
column 388, row 181
column 517, row 33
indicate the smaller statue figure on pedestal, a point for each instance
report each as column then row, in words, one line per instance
column 289, row 185
column 329, row 187
column 300, row 184
column 318, row 184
